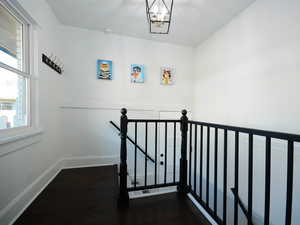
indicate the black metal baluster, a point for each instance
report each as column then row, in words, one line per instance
column 290, row 177
column 184, row 188
column 155, row 172
column 135, row 151
column 236, row 178
column 195, row 160
column 250, row 179
column 166, row 152
column 225, row 180
column 216, row 172
column 267, row 181
column 174, row 155
column 207, row 167
column 190, row 157
column 146, row 151
column 201, row 162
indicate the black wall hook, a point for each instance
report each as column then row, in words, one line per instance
column 51, row 64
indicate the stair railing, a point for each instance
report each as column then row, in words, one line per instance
column 191, row 176
column 181, row 183
column 243, row 207
column 134, row 143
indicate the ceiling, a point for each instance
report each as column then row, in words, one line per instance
column 193, row 21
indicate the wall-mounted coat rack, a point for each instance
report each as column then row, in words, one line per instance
column 52, row 63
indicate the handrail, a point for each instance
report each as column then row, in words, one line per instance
column 152, row 121
column 242, row 205
column 271, row 134
column 138, row 147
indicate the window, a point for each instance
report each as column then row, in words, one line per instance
column 14, row 69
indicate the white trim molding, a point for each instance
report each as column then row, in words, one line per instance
column 18, row 7
column 20, row 142
column 17, row 206
column 202, row 210
column 89, row 161
column 129, row 107
column 29, row 133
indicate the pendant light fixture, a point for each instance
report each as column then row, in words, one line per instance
column 159, row 13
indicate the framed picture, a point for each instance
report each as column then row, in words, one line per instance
column 137, row 73
column 166, row 76
column 104, row 69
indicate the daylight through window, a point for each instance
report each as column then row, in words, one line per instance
column 14, row 78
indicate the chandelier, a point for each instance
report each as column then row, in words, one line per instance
column 159, row 13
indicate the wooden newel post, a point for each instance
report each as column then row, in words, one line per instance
column 183, row 188
column 123, row 192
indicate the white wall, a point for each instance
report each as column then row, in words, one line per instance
column 86, row 130
column 247, row 74
column 20, row 170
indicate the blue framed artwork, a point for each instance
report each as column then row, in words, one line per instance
column 137, row 73
column 104, row 69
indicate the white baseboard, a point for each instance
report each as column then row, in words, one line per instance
column 18, row 205
column 202, row 210
column 159, row 192
column 89, row 161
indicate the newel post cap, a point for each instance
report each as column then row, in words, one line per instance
column 123, row 111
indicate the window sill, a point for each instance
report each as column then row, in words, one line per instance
column 24, row 135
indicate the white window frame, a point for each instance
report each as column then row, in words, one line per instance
column 29, row 70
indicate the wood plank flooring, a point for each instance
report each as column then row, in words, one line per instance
column 88, row 196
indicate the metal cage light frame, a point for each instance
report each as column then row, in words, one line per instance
column 158, row 22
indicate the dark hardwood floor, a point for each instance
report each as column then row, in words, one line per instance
column 88, row 196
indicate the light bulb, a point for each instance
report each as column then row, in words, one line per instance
column 159, row 11
column 155, row 9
